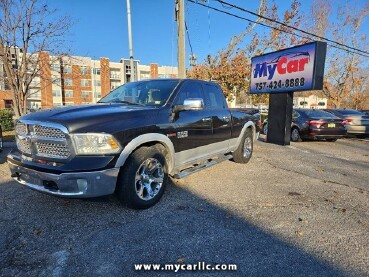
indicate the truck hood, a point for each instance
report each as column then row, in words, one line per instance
column 77, row 118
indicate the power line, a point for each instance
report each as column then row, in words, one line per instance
column 275, row 28
column 188, row 36
column 291, row 27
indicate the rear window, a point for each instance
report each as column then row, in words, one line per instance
column 318, row 113
column 350, row 112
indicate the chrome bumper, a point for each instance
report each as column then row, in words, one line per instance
column 73, row 185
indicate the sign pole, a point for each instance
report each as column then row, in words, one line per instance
column 280, row 118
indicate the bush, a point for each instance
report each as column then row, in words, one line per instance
column 6, row 120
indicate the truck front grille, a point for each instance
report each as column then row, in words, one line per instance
column 42, row 140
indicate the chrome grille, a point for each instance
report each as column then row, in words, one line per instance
column 24, row 146
column 47, row 132
column 52, row 150
column 42, row 140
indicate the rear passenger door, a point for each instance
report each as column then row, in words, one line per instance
column 221, row 117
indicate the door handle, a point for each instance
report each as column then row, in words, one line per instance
column 206, row 119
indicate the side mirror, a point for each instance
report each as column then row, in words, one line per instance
column 189, row 104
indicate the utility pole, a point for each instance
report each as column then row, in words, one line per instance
column 133, row 77
column 180, row 18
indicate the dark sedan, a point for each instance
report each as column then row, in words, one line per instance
column 314, row 124
column 357, row 123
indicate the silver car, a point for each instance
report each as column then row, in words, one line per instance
column 357, row 123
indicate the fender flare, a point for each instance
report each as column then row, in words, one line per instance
column 142, row 139
column 244, row 128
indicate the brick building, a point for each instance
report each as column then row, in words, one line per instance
column 77, row 80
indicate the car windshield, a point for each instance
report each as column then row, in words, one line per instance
column 143, row 93
column 318, row 113
column 350, row 112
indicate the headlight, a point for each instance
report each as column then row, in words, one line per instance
column 92, row 143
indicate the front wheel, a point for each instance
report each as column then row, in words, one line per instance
column 244, row 151
column 142, row 180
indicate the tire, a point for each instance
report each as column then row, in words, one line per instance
column 142, row 180
column 295, row 135
column 331, row 139
column 244, row 151
column 265, row 128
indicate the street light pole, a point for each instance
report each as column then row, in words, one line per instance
column 130, row 41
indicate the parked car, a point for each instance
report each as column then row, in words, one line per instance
column 365, row 111
column 1, row 139
column 314, row 124
column 357, row 123
column 131, row 141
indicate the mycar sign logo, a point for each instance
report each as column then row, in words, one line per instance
column 293, row 69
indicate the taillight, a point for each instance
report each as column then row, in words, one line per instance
column 348, row 120
column 314, row 123
column 343, row 123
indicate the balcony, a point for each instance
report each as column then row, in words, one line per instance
column 115, row 76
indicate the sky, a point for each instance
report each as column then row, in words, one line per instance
column 100, row 28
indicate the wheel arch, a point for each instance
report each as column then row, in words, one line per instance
column 148, row 140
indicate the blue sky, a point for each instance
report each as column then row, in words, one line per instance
column 100, row 28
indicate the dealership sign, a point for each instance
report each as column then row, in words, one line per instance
column 293, row 69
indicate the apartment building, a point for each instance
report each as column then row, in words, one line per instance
column 74, row 80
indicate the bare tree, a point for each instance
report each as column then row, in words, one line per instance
column 27, row 29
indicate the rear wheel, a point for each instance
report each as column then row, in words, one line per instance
column 142, row 180
column 265, row 128
column 244, row 151
column 295, row 134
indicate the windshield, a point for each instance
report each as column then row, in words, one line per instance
column 145, row 93
column 318, row 113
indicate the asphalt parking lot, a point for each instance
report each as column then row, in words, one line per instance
column 300, row 210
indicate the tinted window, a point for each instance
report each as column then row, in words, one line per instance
column 347, row 112
column 214, row 97
column 188, row 91
column 318, row 113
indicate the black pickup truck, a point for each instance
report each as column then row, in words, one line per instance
column 131, row 141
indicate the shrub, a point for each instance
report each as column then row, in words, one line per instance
column 6, row 120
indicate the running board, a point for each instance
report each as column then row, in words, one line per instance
column 201, row 166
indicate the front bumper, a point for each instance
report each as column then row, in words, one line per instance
column 71, row 184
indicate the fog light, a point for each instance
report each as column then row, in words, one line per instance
column 82, row 185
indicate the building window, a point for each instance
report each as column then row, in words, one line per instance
column 68, row 82
column 144, row 75
column 69, row 93
column 8, row 104
column 56, row 93
column 115, row 75
column 162, row 76
column 83, row 70
column 97, row 83
column 69, row 103
column 67, row 69
column 85, row 94
column 35, row 94
column 85, row 82
column 97, row 94
column 57, row 104
column 96, row 71
column 85, row 103
column 55, row 81
column 55, row 67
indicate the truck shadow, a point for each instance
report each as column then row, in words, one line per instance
column 42, row 235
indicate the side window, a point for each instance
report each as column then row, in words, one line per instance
column 189, row 90
column 295, row 114
column 214, row 98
